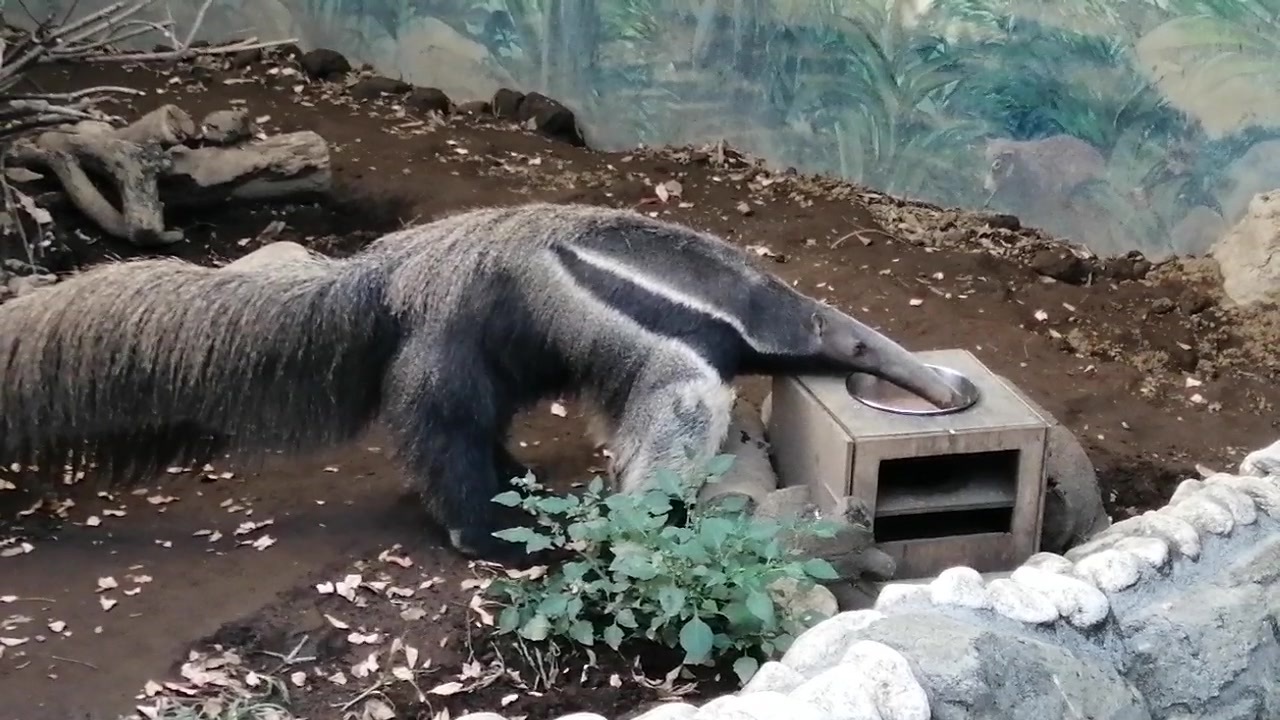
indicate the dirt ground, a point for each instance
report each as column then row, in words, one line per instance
column 1111, row 361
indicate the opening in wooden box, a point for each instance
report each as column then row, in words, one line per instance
column 942, row 495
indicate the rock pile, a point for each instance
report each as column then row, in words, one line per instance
column 1170, row 614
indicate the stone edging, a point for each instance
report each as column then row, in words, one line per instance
column 1112, row 606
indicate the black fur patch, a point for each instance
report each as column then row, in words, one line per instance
column 716, row 341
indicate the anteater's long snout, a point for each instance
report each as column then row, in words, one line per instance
column 866, row 350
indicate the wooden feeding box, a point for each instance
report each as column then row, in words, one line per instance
column 965, row 488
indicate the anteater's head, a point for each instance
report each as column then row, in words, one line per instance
column 795, row 333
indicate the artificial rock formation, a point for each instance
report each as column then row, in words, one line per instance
column 1171, row 614
column 1249, row 254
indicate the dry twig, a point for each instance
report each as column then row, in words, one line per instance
column 94, row 37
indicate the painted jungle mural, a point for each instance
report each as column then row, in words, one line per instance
column 1121, row 124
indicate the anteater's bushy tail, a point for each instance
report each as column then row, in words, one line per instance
column 136, row 365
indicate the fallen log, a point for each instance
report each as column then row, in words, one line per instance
column 151, row 168
column 289, row 165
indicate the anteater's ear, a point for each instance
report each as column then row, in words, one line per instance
column 817, row 324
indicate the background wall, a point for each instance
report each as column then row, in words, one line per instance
column 1170, row 108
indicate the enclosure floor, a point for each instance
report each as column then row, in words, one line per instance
column 351, row 503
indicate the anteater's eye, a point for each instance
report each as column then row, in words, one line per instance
column 997, row 163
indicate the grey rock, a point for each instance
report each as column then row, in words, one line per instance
column 973, row 669
column 815, row 601
column 429, row 99
column 1210, row 647
column 841, row 693
column 669, row 711
column 786, row 503
column 506, row 103
column 889, row 677
column 481, row 716
column 1073, row 509
column 774, row 676
column 1263, row 462
column 227, row 127
column 582, row 716
column 823, row 645
column 372, row 88
column 324, row 64
column 851, row 550
column 549, row 117
column 758, row 706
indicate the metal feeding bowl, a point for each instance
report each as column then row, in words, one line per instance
column 884, row 395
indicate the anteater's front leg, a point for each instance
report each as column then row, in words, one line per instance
column 675, row 418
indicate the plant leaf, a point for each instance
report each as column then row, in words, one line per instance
column 720, row 464
column 820, row 569
column 613, row 636
column 582, row 632
column 508, row 620
column 761, row 606
column 538, row 628
column 696, row 639
column 744, row 667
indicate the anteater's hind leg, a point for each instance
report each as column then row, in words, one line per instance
column 676, row 418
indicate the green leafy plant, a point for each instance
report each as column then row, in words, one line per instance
column 706, row 586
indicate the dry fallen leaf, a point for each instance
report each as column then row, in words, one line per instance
column 107, row 603
column 107, row 583
column 298, row 678
column 366, row 666
column 387, row 556
column 336, row 622
column 375, row 709
column 356, row 638
column 558, row 410
column 57, row 626
column 449, row 688
column 16, row 550
column 477, row 604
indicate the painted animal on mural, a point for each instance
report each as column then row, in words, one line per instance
column 1033, row 170
column 442, row 332
column 1059, row 184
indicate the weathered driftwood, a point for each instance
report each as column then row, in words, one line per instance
column 286, row 165
column 151, row 169
column 134, row 170
column 752, row 476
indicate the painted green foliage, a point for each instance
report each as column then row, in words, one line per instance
column 903, row 95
